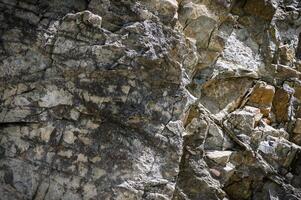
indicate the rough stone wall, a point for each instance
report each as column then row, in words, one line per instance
column 150, row 99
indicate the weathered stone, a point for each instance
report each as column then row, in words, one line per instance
column 55, row 97
column 261, row 8
column 287, row 55
column 285, row 72
column 215, row 138
column 297, row 132
column 228, row 171
column 191, row 14
column 98, row 172
column 69, row 137
column 165, row 9
column 95, row 159
column 263, row 131
column 279, row 152
column 262, row 97
column 298, row 65
column 66, row 154
column 223, row 94
column 297, row 93
column 195, row 182
column 89, row 191
column 74, row 114
column 92, row 19
column 240, row 191
column 281, row 104
column 46, row 132
column 110, row 99
column 220, row 157
column 245, row 119
column 81, row 158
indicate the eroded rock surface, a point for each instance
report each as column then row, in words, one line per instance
column 160, row 99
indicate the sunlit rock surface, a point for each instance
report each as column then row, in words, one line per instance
column 150, row 99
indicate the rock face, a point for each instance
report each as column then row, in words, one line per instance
column 161, row 99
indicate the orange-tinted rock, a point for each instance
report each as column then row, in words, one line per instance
column 281, row 104
column 265, row 111
column 262, row 97
column 262, row 94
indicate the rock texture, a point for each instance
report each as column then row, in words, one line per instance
column 150, row 99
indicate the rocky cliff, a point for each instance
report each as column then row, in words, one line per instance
column 150, row 99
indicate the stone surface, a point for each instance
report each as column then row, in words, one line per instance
column 263, row 9
column 220, row 157
column 278, row 150
column 281, row 104
column 246, row 119
column 297, row 132
column 152, row 100
column 262, row 97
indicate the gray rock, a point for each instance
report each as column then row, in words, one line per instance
column 162, row 99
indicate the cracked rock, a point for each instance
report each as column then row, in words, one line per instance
column 150, row 100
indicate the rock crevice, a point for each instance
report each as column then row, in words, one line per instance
column 161, row 99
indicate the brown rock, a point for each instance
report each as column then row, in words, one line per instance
column 262, row 94
column 260, row 8
column 286, row 72
column 262, row 97
column 265, row 111
column 297, row 88
column 240, row 190
column 281, row 104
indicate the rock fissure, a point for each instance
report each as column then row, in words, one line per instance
column 161, row 99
